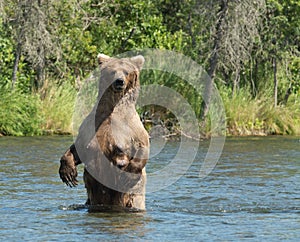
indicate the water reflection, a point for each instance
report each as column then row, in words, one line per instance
column 116, row 224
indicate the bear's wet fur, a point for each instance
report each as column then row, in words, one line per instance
column 112, row 142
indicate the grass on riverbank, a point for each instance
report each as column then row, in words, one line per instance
column 51, row 110
column 258, row 116
column 19, row 113
column 57, row 107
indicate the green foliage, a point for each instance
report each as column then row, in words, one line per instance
column 19, row 113
column 258, row 116
column 86, row 99
column 74, row 32
column 279, row 120
column 6, row 56
column 57, row 106
column 294, row 77
column 133, row 25
column 175, row 83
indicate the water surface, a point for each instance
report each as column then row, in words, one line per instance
column 252, row 194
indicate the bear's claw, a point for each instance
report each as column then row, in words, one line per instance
column 67, row 169
column 68, row 175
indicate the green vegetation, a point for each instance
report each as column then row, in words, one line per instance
column 57, row 107
column 250, row 50
column 19, row 113
column 258, row 116
column 29, row 114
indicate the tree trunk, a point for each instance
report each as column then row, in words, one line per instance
column 287, row 94
column 40, row 68
column 254, row 78
column 236, row 82
column 40, row 77
column 213, row 61
column 275, row 82
column 16, row 65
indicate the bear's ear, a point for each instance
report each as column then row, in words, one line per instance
column 102, row 58
column 138, row 61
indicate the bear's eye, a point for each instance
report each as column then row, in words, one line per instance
column 126, row 73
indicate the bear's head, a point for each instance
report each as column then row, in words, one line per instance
column 120, row 76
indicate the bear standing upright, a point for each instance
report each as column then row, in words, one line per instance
column 112, row 142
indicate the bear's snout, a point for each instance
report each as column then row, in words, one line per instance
column 122, row 163
column 119, row 84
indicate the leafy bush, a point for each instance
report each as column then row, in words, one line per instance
column 19, row 113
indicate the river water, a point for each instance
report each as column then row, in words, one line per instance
column 252, row 194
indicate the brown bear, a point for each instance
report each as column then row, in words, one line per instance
column 112, row 141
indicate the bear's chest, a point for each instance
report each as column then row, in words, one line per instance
column 125, row 129
column 121, row 130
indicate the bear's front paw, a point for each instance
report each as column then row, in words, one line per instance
column 68, row 171
column 68, row 175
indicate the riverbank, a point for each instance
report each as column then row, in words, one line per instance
column 50, row 112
